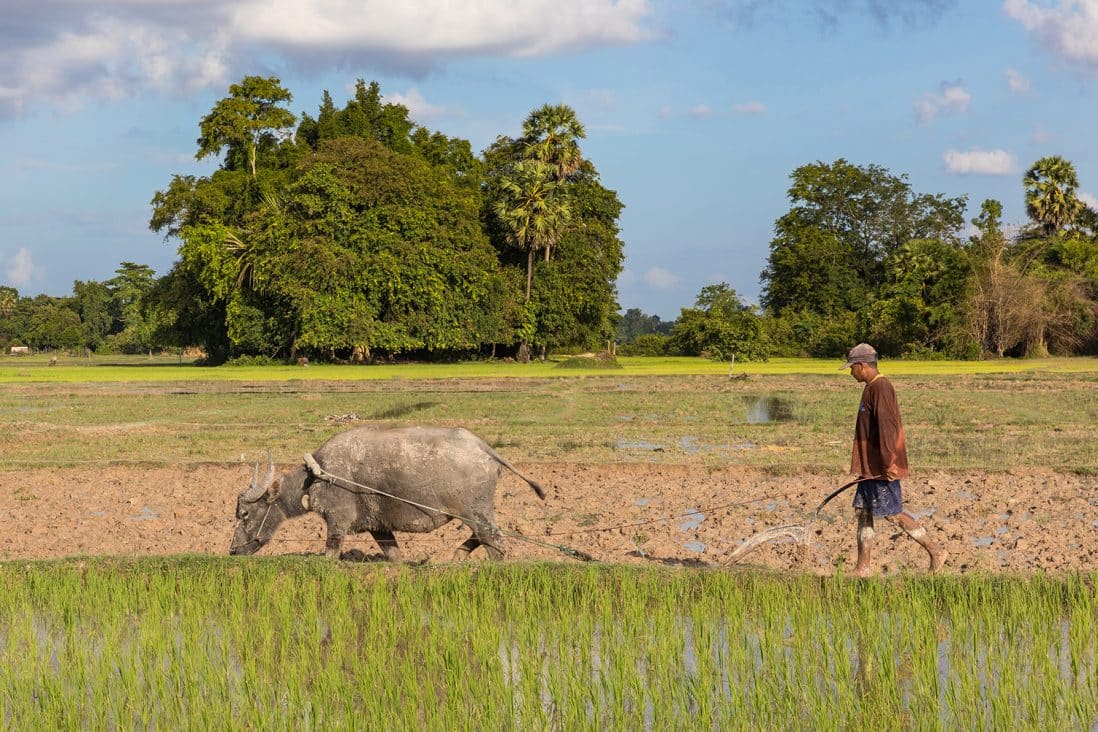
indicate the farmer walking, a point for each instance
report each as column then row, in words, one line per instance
column 880, row 456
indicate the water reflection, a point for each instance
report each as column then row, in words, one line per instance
column 766, row 409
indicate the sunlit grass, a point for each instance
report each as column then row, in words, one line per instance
column 291, row 643
column 993, row 421
column 105, row 369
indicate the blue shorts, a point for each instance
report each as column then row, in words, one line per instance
column 882, row 497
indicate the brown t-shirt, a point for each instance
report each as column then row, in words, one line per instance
column 879, row 442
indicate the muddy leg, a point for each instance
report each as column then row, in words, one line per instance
column 487, row 535
column 915, row 530
column 865, row 542
column 462, row 552
column 388, row 544
column 333, row 544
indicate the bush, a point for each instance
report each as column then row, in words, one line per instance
column 650, row 344
column 601, row 360
column 253, row 361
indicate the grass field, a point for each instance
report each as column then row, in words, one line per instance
column 301, row 643
column 957, row 414
column 99, row 369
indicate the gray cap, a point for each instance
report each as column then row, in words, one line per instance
column 861, row 353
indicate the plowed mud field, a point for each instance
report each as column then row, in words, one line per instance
column 1024, row 520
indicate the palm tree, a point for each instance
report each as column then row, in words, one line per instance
column 530, row 210
column 550, row 135
column 1050, row 185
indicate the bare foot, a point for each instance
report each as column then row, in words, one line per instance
column 938, row 560
column 862, row 572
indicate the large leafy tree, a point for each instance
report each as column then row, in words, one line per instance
column 919, row 307
column 720, row 325
column 246, row 121
column 848, row 218
column 92, row 302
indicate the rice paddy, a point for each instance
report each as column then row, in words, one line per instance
column 307, row 644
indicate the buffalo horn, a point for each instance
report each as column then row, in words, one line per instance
column 269, row 478
column 255, row 490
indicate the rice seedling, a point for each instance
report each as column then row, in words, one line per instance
column 303, row 643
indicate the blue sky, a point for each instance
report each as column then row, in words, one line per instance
column 697, row 111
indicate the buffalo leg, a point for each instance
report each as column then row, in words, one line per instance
column 462, row 552
column 333, row 544
column 388, row 544
column 487, row 535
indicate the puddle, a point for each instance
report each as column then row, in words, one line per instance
column 767, row 409
column 690, row 445
column 983, row 541
column 694, row 518
column 642, row 501
column 697, row 547
column 624, row 444
column 967, row 495
column 745, row 445
column 146, row 514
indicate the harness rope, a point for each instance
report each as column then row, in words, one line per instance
column 353, row 487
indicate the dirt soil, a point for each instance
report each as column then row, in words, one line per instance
column 627, row 512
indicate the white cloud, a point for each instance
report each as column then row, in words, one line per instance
column 661, row 279
column 1069, row 30
column 701, row 110
column 950, row 98
column 750, row 108
column 980, row 162
column 419, row 108
column 1089, row 199
column 1040, row 135
column 1017, row 83
column 21, row 268
column 70, row 51
column 442, row 27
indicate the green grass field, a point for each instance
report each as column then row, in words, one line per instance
column 983, row 415
column 100, row 369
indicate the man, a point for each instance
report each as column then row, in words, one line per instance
column 880, row 455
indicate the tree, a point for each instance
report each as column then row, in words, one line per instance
column 92, row 302
column 53, row 325
column 246, row 120
column 636, row 323
column 551, row 134
column 138, row 318
column 530, row 211
column 721, row 326
column 919, row 307
column 860, row 215
column 1050, row 192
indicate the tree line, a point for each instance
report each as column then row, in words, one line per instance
column 356, row 235
column 860, row 256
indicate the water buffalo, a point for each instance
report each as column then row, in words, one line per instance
column 450, row 473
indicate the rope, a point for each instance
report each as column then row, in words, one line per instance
column 692, row 513
column 353, row 487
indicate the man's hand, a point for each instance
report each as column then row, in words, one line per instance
column 890, row 475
